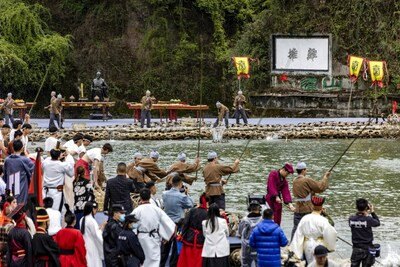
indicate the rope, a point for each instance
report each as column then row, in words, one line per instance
column 247, row 144
column 352, row 142
column 201, row 99
column 41, row 85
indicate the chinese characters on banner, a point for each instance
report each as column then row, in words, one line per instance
column 355, row 64
column 242, row 65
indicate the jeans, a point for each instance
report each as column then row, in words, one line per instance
column 226, row 118
column 145, row 115
column 361, row 256
column 296, row 220
column 240, row 113
column 53, row 118
column 219, row 200
column 9, row 117
column 78, row 216
column 249, row 256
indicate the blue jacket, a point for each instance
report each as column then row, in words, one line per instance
column 175, row 204
column 268, row 238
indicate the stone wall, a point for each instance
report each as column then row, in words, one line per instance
column 316, row 105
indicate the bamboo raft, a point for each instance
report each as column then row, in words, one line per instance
column 322, row 130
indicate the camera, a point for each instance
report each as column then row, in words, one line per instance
column 183, row 189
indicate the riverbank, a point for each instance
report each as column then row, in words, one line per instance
column 267, row 128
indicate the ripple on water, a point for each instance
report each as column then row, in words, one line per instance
column 369, row 170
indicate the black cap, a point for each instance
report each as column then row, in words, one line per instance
column 118, row 208
column 253, row 203
column 320, row 251
column 130, row 218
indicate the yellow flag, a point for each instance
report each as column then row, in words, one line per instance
column 355, row 64
column 242, row 67
column 377, row 71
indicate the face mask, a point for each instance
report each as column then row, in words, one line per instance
column 122, row 218
column 135, row 226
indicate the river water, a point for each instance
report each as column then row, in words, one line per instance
column 370, row 169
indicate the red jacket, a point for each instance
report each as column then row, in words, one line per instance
column 277, row 186
column 70, row 240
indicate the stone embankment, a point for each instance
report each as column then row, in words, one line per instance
column 321, row 130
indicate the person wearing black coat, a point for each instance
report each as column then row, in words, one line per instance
column 130, row 252
column 110, row 235
column 192, row 235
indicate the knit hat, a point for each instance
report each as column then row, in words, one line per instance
column 182, row 157
column 137, row 155
column 41, row 215
column 154, row 154
column 301, row 165
column 317, row 201
column 212, row 155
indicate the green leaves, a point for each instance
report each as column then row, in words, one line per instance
column 27, row 45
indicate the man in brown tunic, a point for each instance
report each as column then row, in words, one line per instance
column 303, row 189
column 146, row 170
column 147, row 103
column 239, row 102
column 8, row 109
column 213, row 172
column 182, row 168
column 223, row 113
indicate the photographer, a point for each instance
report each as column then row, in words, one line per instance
column 175, row 203
column 361, row 234
column 55, row 168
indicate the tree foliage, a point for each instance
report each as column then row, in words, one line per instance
column 27, row 46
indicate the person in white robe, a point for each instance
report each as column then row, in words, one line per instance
column 51, row 141
column 93, row 236
column 54, row 171
column 154, row 225
column 313, row 230
column 72, row 146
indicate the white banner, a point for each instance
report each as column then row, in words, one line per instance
column 301, row 54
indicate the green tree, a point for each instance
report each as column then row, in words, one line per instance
column 28, row 48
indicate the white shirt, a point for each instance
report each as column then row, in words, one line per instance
column 81, row 149
column 93, row 242
column 1, row 136
column 156, row 201
column 94, row 153
column 54, row 171
column 25, row 142
column 71, row 146
column 216, row 244
column 51, row 143
column 12, row 134
column 55, row 221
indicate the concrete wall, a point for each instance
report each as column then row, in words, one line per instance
column 312, row 105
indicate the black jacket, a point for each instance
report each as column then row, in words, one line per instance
column 192, row 227
column 118, row 191
column 110, row 242
column 361, row 229
column 130, row 250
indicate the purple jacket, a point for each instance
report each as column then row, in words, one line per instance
column 277, row 185
column 17, row 175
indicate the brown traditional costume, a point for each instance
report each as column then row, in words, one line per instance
column 213, row 173
column 303, row 189
column 182, row 168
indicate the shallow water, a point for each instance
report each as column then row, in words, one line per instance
column 371, row 169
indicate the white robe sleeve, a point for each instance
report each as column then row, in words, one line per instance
column 167, row 226
column 329, row 235
column 297, row 245
column 69, row 167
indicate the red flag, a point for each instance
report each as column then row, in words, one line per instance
column 394, row 107
column 35, row 187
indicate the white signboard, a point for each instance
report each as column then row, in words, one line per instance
column 301, row 55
